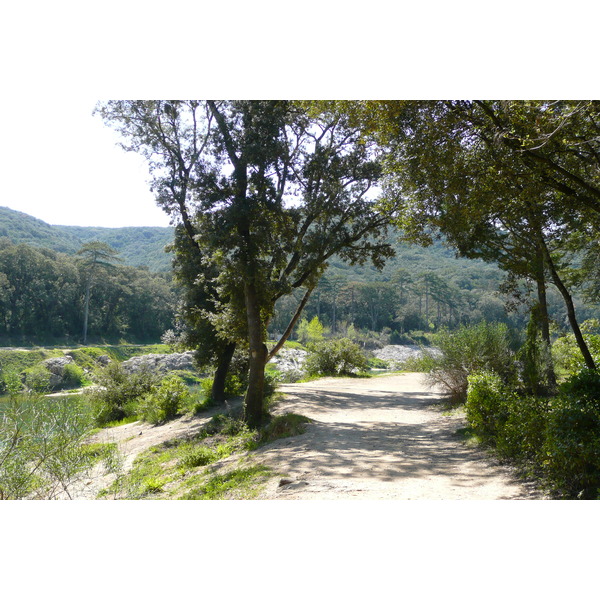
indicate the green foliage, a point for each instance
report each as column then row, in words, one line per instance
column 138, row 246
column 11, row 383
column 242, row 483
column 556, row 438
column 44, row 295
column 119, row 393
column 487, row 404
column 522, row 435
column 310, row 332
column 335, row 357
column 572, row 449
column 568, row 357
column 164, row 402
column 378, row 363
column 41, row 451
column 37, row 379
column 73, row 376
column 482, row 347
column 583, row 389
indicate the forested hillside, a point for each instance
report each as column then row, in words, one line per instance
column 43, row 295
column 418, row 289
column 137, row 246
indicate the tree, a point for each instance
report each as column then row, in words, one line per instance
column 502, row 184
column 95, row 258
column 310, row 331
column 280, row 192
column 199, row 301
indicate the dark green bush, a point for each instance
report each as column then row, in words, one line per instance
column 335, row 357
column 559, row 437
column 572, row 450
column 583, row 388
column 572, row 445
column 522, row 435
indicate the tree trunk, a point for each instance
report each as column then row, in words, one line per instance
column 587, row 357
column 218, row 386
column 253, row 402
column 86, row 311
column 545, row 328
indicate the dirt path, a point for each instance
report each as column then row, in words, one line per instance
column 380, row 438
column 377, row 438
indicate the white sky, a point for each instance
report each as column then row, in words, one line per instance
column 63, row 166
column 60, row 164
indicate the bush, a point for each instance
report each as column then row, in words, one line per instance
column 559, row 438
column 483, row 347
column 119, row 392
column 378, row 363
column 514, row 424
column 583, row 389
column 523, row 433
column 73, row 376
column 486, row 406
column 37, row 379
column 163, row 403
column 335, row 357
column 40, row 446
column 572, row 450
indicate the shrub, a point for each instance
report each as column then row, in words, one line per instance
column 483, row 347
column 119, row 392
column 572, row 450
column 73, row 376
column 523, row 433
column 37, row 379
column 378, row 363
column 11, row 383
column 163, row 403
column 583, row 388
column 486, row 406
column 335, row 357
column 572, row 446
column 40, row 446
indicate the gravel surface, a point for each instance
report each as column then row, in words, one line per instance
column 381, row 438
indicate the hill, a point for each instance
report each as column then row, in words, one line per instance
column 137, row 246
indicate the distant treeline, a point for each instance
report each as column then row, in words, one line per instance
column 42, row 297
column 421, row 289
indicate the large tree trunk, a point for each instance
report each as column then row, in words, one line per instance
column 253, row 402
column 218, row 386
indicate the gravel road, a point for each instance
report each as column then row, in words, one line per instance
column 381, row 438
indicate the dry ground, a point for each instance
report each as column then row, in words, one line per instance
column 381, row 438
column 377, row 438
